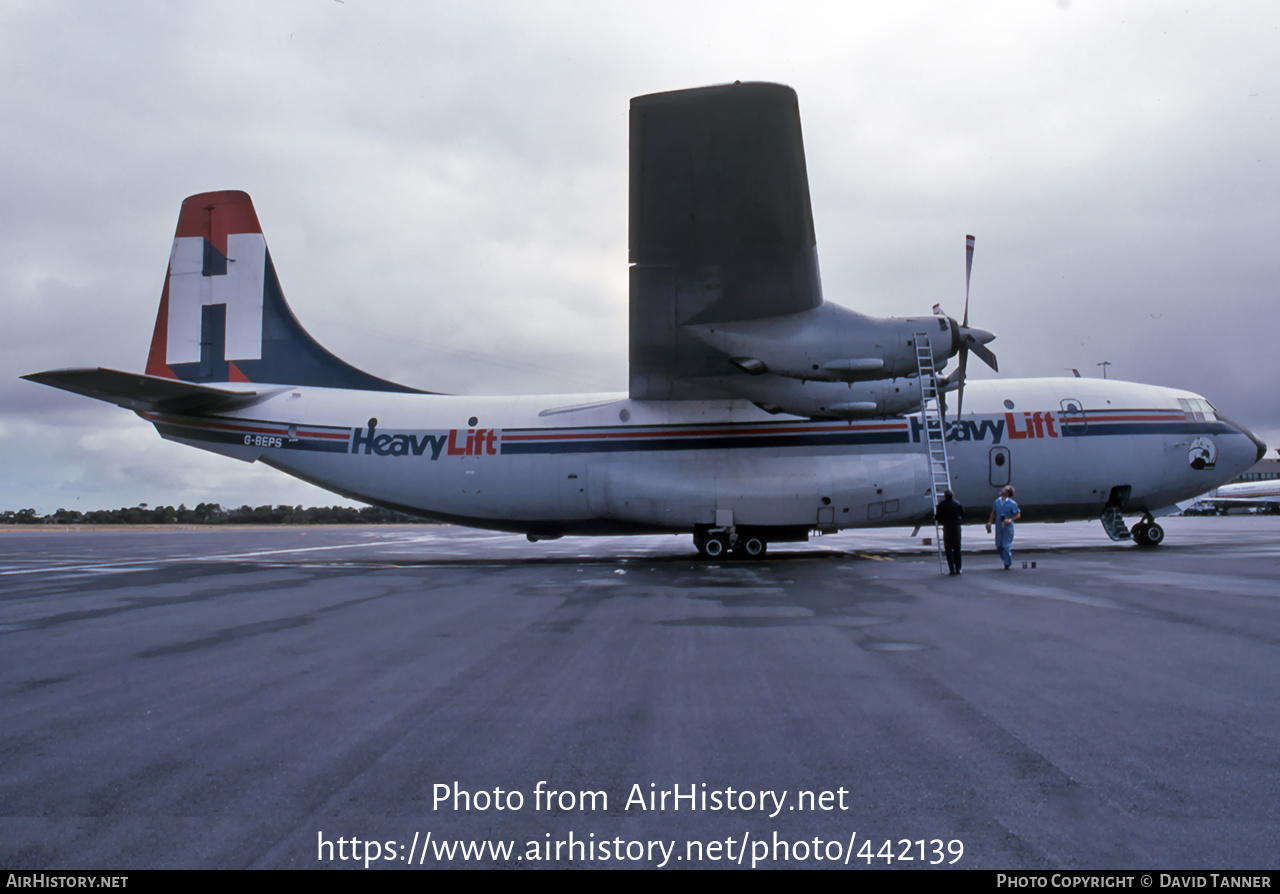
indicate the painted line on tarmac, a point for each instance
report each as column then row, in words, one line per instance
column 127, row 564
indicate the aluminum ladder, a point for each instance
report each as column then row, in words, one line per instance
column 935, row 440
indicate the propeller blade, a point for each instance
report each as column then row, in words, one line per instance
column 985, row 355
column 968, row 271
column 964, row 363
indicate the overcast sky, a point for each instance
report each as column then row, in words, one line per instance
column 443, row 188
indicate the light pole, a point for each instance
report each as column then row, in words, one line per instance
column 1104, row 364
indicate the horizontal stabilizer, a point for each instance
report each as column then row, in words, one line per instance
column 135, row 391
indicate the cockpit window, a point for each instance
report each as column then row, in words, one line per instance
column 1198, row 409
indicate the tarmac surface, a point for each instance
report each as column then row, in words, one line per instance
column 243, row 697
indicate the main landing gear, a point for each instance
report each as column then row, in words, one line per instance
column 715, row 543
column 1147, row 533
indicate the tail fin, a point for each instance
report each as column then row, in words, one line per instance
column 223, row 317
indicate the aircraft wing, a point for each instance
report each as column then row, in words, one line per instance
column 721, row 228
column 725, row 296
column 136, row 391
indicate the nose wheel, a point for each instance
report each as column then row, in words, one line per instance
column 1147, row 532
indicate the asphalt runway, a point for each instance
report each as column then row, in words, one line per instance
column 247, row 697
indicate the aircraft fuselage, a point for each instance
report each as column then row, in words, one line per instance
column 589, row 464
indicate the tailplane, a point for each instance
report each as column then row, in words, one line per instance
column 223, row 316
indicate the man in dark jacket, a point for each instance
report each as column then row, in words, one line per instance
column 950, row 514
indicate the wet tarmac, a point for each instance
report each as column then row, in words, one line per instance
column 241, row 698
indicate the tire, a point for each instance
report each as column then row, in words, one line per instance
column 715, row 546
column 1139, row 533
column 1155, row 535
column 752, row 547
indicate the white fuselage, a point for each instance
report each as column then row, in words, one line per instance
column 1260, row 492
column 601, row 463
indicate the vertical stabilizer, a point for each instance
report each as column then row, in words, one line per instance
column 223, row 316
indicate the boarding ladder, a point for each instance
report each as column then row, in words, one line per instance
column 935, row 441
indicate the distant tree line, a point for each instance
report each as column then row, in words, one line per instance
column 214, row 514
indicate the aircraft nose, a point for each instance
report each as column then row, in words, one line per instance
column 1257, row 442
column 1262, row 447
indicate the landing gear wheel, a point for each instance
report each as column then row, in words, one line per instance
column 714, row 546
column 752, row 547
column 1148, row 533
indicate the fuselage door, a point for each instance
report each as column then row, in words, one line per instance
column 572, row 474
column 1000, row 465
column 1074, row 421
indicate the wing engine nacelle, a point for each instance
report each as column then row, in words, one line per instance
column 830, row 344
column 825, row 400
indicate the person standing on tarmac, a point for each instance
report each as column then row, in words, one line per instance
column 1004, row 512
column 950, row 514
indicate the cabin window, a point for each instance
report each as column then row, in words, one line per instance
column 999, row 466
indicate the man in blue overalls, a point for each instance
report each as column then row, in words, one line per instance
column 1004, row 512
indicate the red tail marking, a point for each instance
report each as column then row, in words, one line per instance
column 156, row 365
column 215, row 214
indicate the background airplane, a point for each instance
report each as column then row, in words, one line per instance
column 757, row 411
column 1261, row 496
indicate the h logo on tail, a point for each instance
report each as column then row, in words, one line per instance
column 202, row 279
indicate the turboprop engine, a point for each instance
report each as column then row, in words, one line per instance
column 834, row 344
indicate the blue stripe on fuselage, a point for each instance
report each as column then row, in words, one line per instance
column 708, row 442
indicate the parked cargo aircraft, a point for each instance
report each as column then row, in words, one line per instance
column 757, row 411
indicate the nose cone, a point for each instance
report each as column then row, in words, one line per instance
column 1262, row 447
column 981, row 336
column 1257, row 442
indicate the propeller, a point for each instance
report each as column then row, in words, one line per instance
column 971, row 338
